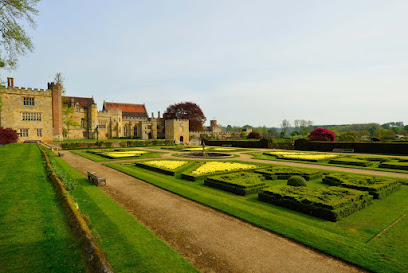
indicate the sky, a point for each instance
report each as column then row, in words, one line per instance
column 244, row 62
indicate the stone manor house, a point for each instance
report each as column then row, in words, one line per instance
column 37, row 115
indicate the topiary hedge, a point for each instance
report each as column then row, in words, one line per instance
column 377, row 187
column 242, row 183
column 296, row 181
column 350, row 161
column 332, row 203
column 274, row 173
column 394, row 165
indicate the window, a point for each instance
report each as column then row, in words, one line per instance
column 28, row 101
column 78, row 108
column 158, row 127
column 39, row 132
column 84, row 134
column 125, row 131
column 31, row 116
column 82, row 123
column 135, row 131
column 23, row 132
column 102, row 126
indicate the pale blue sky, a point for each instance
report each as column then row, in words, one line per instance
column 243, row 62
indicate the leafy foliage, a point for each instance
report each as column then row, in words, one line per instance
column 296, row 181
column 15, row 41
column 8, row 136
column 187, row 110
column 321, row 134
column 254, row 135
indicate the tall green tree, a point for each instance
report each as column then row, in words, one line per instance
column 14, row 40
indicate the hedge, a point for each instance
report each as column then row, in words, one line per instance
column 156, row 169
column 350, row 161
column 332, row 203
column 377, row 187
column 115, row 143
column 394, row 165
column 274, row 173
column 242, row 183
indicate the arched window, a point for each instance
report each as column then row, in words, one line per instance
column 125, row 131
column 135, row 130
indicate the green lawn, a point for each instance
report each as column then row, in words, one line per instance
column 99, row 158
column 261, row 155
column 35, row 236
column 346, row 239
column 128, row 245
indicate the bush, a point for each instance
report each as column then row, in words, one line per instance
column 296, row 181
column 347, row 136
column 242, row 183
column 108, row 144
column 394, row 165
column 351, row 161
column 8, row 136
column 331, row 203
column 321, row 134
column 274, row 173
column 254, row 135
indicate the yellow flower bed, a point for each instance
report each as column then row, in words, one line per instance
column 194, row 149
column 303, row 156
column 124, row 154
column 223, row 149
column 166, row 164
column 213, row 167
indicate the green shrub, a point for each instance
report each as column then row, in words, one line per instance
column 108, row 144
column 296, row 181
column 70, row 145
column 394, row 165
column 274, row 173
column 351, row 161
column 377, row 187
column 242, row 183
column 332, row 203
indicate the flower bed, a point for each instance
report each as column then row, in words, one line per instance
column 168, row 167
column 242, row 183
column 377, row 187
column 351, row 161
column 123, row 154
column 214, row 167
column 394, row 165
column 312, row 157
column 332, row 203
column 274, row 173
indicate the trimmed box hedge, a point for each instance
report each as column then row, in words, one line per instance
column 351, row 161
column 156, row 169
column 332, row 203
column 394, row 165
column 278, row 173
column 377, row 187
column 242, row 183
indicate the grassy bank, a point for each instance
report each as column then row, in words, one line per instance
column 128, row 245
column 35, row 236
column 347, row 239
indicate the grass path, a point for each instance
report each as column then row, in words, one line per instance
column 35, row 236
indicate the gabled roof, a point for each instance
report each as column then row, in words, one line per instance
column 72, row 101
column 128, row 109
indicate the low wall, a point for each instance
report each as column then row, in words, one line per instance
column 397, row 148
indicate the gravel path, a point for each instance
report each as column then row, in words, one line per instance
column 210, row 240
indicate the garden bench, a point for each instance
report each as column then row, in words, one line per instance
column 338, row 150
column 95, row 179
column 226, row 145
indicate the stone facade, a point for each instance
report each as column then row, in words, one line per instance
column 85, row 122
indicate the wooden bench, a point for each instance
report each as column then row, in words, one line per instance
column 338, row 150
column 95, row 179
column 226, row 145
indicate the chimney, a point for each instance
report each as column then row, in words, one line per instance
column 10, row 82
column 158, row 114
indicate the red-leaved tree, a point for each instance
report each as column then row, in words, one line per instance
column 321, row 134
column 8, row 135
column 187, row 110
column 254, row 135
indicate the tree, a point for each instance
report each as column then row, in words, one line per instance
column 377, row 134
column 321, row 134
column 8, row 136
column 67, row 112
column 285, row 126
column 254, row 135
column 404, row 132
column 347, row 136
column 14, row 14
column 187, row 110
